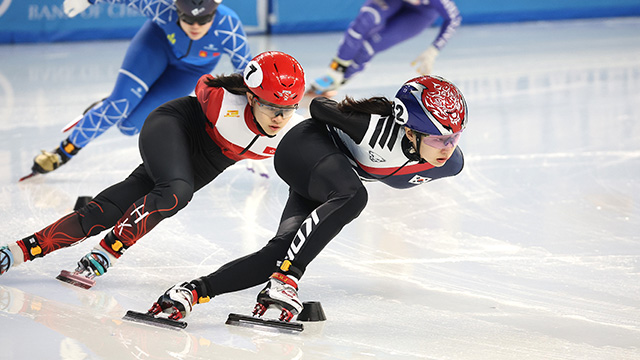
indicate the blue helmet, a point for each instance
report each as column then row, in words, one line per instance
column 430, row 105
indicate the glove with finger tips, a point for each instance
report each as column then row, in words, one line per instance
column 75, row 7
column 424, row 61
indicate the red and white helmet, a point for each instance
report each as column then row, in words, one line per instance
column 431, row 105
column 275, row 77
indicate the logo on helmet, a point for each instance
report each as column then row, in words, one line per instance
column 196, row 12
column 445, row 103
column 285, row 94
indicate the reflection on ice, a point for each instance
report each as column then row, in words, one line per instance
column 532, row 251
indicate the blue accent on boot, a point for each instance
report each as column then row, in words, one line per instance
column 6, row 259
column 98, row 261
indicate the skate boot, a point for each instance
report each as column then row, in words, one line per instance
column 94, row 263
column 281, row 292
column 6, row 259
column 328, row 84
column 91, row 265
column 49, row 161
column 178, row 301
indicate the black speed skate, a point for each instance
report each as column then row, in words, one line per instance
column 281, row 292
column 152, row 317
column 175, row 304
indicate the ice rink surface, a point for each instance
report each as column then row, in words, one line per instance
column 532, row 252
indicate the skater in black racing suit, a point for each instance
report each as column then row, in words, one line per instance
column 402, row 143
column 184, row 144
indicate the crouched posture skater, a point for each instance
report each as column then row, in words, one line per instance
column 381, row 25
column 403, row 143
column 184, row 144
column 178, row 43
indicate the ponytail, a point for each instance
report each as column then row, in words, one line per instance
column 233, row 83
column 375, row 105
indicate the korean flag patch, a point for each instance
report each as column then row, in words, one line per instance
column 419, row 180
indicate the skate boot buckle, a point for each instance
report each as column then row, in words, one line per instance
column 286, row 315
column 259, row 310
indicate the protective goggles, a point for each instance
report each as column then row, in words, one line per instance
column 274, row 111
column 441, row 141
column 201, row 20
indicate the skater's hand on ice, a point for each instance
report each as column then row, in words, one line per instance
column 424, row 61
column 75, row 7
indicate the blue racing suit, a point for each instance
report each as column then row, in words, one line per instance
column 162, row 63
column 382, row 24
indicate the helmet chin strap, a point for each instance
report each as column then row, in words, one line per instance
column 255, row 121
column 417, row 147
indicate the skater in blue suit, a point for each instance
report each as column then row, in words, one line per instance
column 381, row 24
column 180, row 42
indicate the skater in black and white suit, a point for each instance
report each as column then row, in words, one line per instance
column 403, row 143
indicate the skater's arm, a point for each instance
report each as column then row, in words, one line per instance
column 160, row 11
column 233, row 38
column 451, row 20
column 326, row 111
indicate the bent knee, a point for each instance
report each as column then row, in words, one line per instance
column 359, row 200
column 352, row 203
column 173, row 196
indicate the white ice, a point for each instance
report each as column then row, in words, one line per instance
column 532, row 252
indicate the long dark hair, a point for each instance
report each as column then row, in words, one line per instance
column 233, row 83
column 375, row 105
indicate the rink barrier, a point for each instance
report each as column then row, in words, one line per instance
column 45, row 21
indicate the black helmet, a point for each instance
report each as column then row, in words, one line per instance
column 197, row 8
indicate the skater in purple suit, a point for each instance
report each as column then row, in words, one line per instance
column 382, row 24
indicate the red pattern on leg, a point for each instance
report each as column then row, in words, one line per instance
column 138, row 220
column 62, row 233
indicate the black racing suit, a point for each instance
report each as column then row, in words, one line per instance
column 184, row 144
column 179, row 157
column 325, row 192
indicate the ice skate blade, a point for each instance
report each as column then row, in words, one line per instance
column 75, row 279
column 243, row 320
column 150, row 319
column 28, row 176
